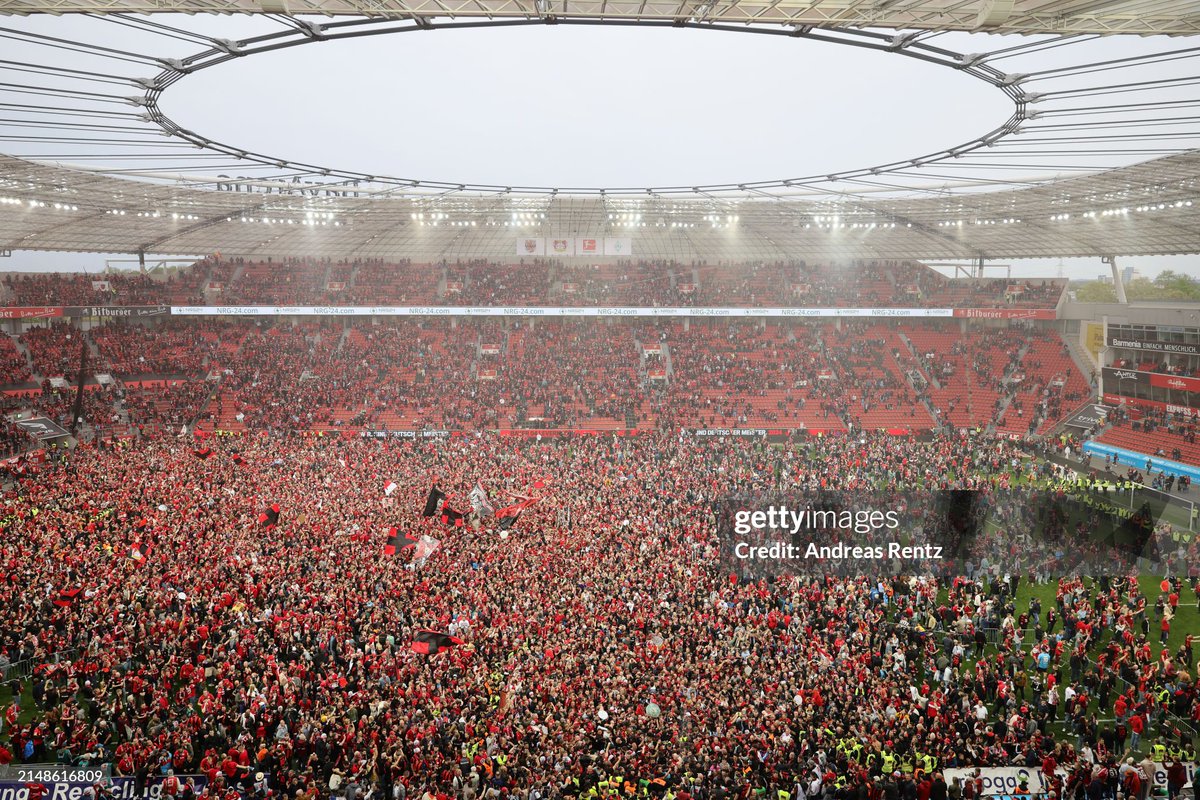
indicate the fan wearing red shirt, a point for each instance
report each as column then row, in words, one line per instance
column 1137, row 724
column 1049, row 765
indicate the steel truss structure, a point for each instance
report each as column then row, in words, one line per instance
column 1000, row 16
column 1097, row 157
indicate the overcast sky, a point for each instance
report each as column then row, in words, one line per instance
column 580, row 106
column 567, row 105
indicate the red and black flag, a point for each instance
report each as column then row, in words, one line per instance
column 138, row 553
column 202, row 453
column 433, row 502
column 67, row 597
column 397, row 541
column 430, row 643
column 507, row 516
column 270, row 517
column 237, row 459
column 452, row 517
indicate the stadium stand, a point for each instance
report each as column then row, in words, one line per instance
column 53, row 349
column 769, row 511
column 540, row 282
column 14, row 367
column 226, row 485
column 581, row 374
column 1157, row 433
column 403, row 283
column 171, row 348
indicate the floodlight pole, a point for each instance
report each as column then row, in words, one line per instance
column 1118, row 282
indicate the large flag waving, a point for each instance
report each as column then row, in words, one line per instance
column 430, row 643
column 452, row 517
column 480, row 503
column 433, row 502
column 424, row 549
column 138, row 553
column 397, row 541
column 270, row 517
column 67, row 597
column 507, row 516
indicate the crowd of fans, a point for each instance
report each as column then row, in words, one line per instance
column 171, row 347
column 13, row 440
column 104, row 289
column 14, row 367
column 575, row 374
column 58, row 405
column 1050, row 385
column 534, row 282
column 173, row 627
column 54, row 349
column 166, row 406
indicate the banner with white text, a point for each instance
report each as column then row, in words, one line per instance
column 548, row 311
column 1008, row 780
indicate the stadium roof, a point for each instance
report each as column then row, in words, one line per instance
column 1099, row 156
column 1142, row 210
column 1056, row 17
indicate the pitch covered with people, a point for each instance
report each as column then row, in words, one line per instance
column 308, row 616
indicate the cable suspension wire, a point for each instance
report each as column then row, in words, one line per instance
column 108, row 156
column 64, row 111
column 77, row 47
column 25, row 88
column 1130, row 108
column 1122, row 88
column 94, row 140
column 1038, row 46
column 153, row 26
column 43, row 69
column 1129, row 123
column 134, row 170
column 1119, row 63
column 36, row 123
